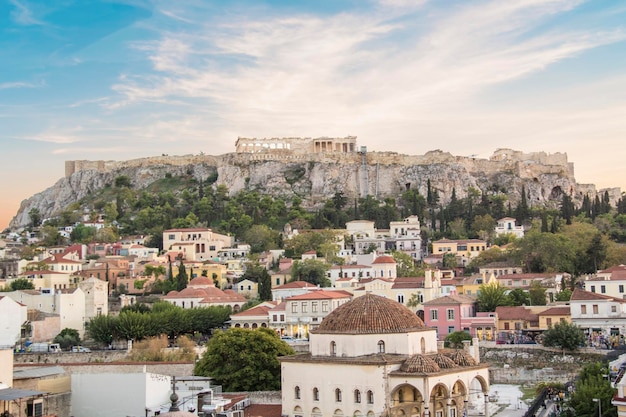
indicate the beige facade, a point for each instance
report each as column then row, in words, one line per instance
column 96, row 297
column 199, row 244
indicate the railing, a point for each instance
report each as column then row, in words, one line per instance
column 537, row 403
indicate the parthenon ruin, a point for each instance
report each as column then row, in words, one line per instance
column 296, row 145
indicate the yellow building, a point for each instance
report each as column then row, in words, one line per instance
column 554, row 315
column 468, row 248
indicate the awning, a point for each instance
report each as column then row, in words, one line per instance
column 10, row 394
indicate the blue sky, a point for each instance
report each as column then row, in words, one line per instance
column 127, row 79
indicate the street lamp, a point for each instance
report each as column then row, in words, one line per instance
column 597, row 400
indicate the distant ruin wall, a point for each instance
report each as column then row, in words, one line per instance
column 296, row 145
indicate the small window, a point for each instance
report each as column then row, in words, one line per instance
column 583, row 309
column 357, row 396
column 593, row 288
column 595, row 309
column 316, row 394
column 370, row 397
column 338, row 395
column 603, row 289
column 450, row 313
column 381, row 346
column 613, row 309
column 333, row 348
column 621, row 289
column 434, row 314
column 296, row 393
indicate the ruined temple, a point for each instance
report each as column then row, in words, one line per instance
column 296, row 145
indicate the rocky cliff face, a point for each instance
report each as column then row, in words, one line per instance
column 316, row 177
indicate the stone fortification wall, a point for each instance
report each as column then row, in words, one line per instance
column 72, row 167
column 515, row 162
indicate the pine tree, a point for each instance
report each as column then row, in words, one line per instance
column 522, row 213
column 181, row 278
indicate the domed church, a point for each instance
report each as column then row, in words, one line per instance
column 374, row 357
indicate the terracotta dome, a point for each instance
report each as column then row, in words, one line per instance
column 370, row 314
column 420, row 364
column 462, row 358
column 444, row 362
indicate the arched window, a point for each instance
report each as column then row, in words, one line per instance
column 338, row 395
column 381, row 346
column 316, row 394
column 333, row 348
column 401, row 396
column 357, row 396
column 296, row 393
column 370, row 397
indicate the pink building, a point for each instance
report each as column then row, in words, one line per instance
column 449, row 314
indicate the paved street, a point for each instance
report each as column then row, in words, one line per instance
column 508, row 396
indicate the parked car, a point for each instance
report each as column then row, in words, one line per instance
column 76, row 349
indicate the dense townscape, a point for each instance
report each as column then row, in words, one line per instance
column 226, row 295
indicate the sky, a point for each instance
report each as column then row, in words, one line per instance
column 118, row 80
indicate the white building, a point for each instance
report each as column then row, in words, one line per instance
column 305, row 312
column 201, row 292
column 406, row 235
column 137, row 394
column 611, row 282
column 506, row 226
column 69, row 304
column 598, row 314
column 292, row 289
column 373, row 357
column 96, row 297
column 12, row 316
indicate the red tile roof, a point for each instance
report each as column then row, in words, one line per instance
column 295, row 284
column 263, row 410
column 321, row 295
column 556, row 311
column 451, row 300
column 384, row 259
column 254, row 311
column 582, row 295
column 515, row 313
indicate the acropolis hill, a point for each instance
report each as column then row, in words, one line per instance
column 316, row 168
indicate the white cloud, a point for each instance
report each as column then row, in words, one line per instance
column 409, row 80
column 22, row 14
column 17, row 84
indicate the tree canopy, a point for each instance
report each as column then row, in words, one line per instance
column 490, row 296
column 592, row 383
column 564, row 335
column 310, row 270
column 244, row 360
